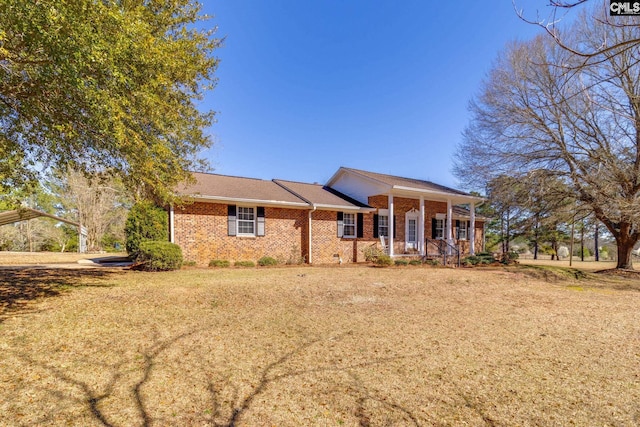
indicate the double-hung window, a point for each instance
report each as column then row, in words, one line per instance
column 349, row 221
column 439, row 229
column 383, row 225
column 462, row 229
column 246, row 221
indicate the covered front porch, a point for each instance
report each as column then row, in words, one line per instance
column 420, row 225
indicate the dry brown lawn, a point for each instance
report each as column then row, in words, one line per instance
column 589, row 266
column 39, row 258
column 320, row 346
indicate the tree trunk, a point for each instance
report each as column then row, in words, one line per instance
column 537, row 238
column 582, row 242
column 625, row 246
column 625, row 241
column 596, row 243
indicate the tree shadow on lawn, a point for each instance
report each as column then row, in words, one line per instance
column 20, row 287
column 223, row 413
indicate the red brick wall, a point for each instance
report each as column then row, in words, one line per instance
column 328, row 248
column 201, row 232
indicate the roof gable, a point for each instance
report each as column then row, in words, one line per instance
column 345, row 179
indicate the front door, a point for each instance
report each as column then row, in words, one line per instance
column 411, row 232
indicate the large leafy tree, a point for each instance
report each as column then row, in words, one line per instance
column 98, row 202
column 104, row 85
column 541, row 107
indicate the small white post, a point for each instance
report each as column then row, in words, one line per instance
column 449, row 226
column 472, row 229
column 391, row 224
column 421, row 227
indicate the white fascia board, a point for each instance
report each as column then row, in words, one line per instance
column 335, row 177
column 439, row 195
column 343, row 208
column 278, row 203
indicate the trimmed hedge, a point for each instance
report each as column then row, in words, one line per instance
column 266, row 261
column 401, row 262
column 222, row 263
column 384, row 261
column 244, row 264
column 158, row 256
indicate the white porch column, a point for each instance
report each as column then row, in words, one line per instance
column 421, row 227
column 472, row 229
column 391, row 225
column 449, row 231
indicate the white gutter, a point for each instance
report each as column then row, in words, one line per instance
column 343, row 208
column 252, row 201
column 172, row 234
column 444, row 195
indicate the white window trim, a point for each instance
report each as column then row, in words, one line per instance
column 386, row 226
column 412, row 214
column 238, row 220
column 344, row 225
column 440, row 221
column 464, row 225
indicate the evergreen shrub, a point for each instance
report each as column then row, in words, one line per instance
column 244, row 264
column 222, row 263
column 384, row 261
column 266, row 261
column 158, row 256
column 145, row 222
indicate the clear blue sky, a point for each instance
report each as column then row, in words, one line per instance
column 308, row 86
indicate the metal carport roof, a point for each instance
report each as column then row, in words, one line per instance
column 23, row 214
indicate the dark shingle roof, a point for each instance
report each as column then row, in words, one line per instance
column 238, row 188
column 320, row 195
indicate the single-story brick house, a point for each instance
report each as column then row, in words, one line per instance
column 236, row 218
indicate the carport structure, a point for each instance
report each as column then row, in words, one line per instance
column 24, row 214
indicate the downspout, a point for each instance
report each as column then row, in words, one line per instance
column 310, row 242
column 310, row 212
column 172, row 235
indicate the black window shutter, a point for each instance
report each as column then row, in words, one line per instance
column 375, row 226
column 434, row 226
column 231, row 220
column 395, row 235
column 458, row 228
column 360, row 225
column 340, row 224
column 260, row 222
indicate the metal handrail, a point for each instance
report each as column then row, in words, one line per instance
column 445, row 249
